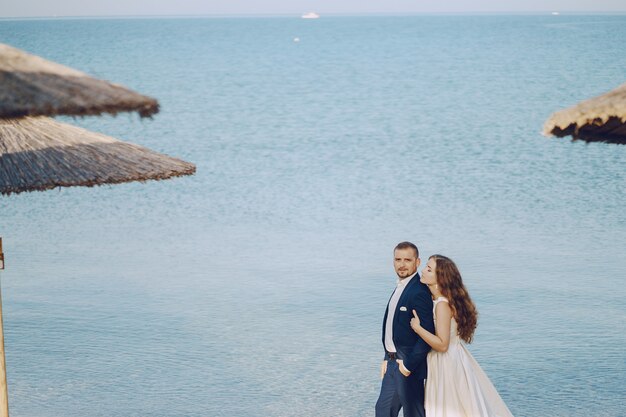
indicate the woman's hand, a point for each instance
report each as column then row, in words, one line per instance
column 415, row 322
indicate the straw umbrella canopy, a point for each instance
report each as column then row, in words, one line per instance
column 33, row 86
column 599, row 119
column 38, row 153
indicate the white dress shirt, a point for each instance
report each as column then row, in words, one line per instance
column 391, row 311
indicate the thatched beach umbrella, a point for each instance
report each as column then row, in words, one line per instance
column 38, row 153
column 33, row 86
column 600, row 119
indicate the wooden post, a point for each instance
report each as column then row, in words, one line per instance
column 4, row 394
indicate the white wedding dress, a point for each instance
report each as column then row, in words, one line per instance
column 456, row 385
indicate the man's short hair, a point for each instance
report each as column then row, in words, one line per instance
column 407, row 245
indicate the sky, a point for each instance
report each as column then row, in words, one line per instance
column 45, row 8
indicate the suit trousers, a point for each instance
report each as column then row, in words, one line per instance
column 399, row 392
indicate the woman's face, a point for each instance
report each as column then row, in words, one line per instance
column 428, row 273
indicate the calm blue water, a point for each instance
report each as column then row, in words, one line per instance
column 257, row 287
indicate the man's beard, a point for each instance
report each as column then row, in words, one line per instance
column 403, row 274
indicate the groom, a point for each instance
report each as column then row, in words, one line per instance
column 403, row 370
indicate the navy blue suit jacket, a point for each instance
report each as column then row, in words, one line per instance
column 410, row 347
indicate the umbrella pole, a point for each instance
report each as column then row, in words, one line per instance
column 4, row 394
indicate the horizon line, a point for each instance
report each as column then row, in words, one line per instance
column 298, row 15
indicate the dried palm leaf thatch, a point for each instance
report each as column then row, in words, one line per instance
column 33, row 86
column 600, row 119
column 38, row 153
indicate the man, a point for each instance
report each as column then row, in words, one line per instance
column 403, row 370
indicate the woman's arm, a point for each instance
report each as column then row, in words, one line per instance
column 421, row 301
column 441, row 339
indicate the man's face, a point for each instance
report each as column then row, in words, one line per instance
column 405, row 262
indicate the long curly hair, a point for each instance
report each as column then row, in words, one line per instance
column 451, row 286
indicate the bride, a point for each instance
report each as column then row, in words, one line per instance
column 456, row 386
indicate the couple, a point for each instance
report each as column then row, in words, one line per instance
column 445, row 381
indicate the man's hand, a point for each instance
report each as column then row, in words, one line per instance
column 402, row 368
column 383, row 369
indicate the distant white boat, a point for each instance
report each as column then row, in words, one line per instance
column 555, row 13
column 310, row 15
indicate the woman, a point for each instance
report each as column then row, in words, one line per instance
column 456, row 385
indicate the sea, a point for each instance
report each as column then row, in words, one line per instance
column 257, row 287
